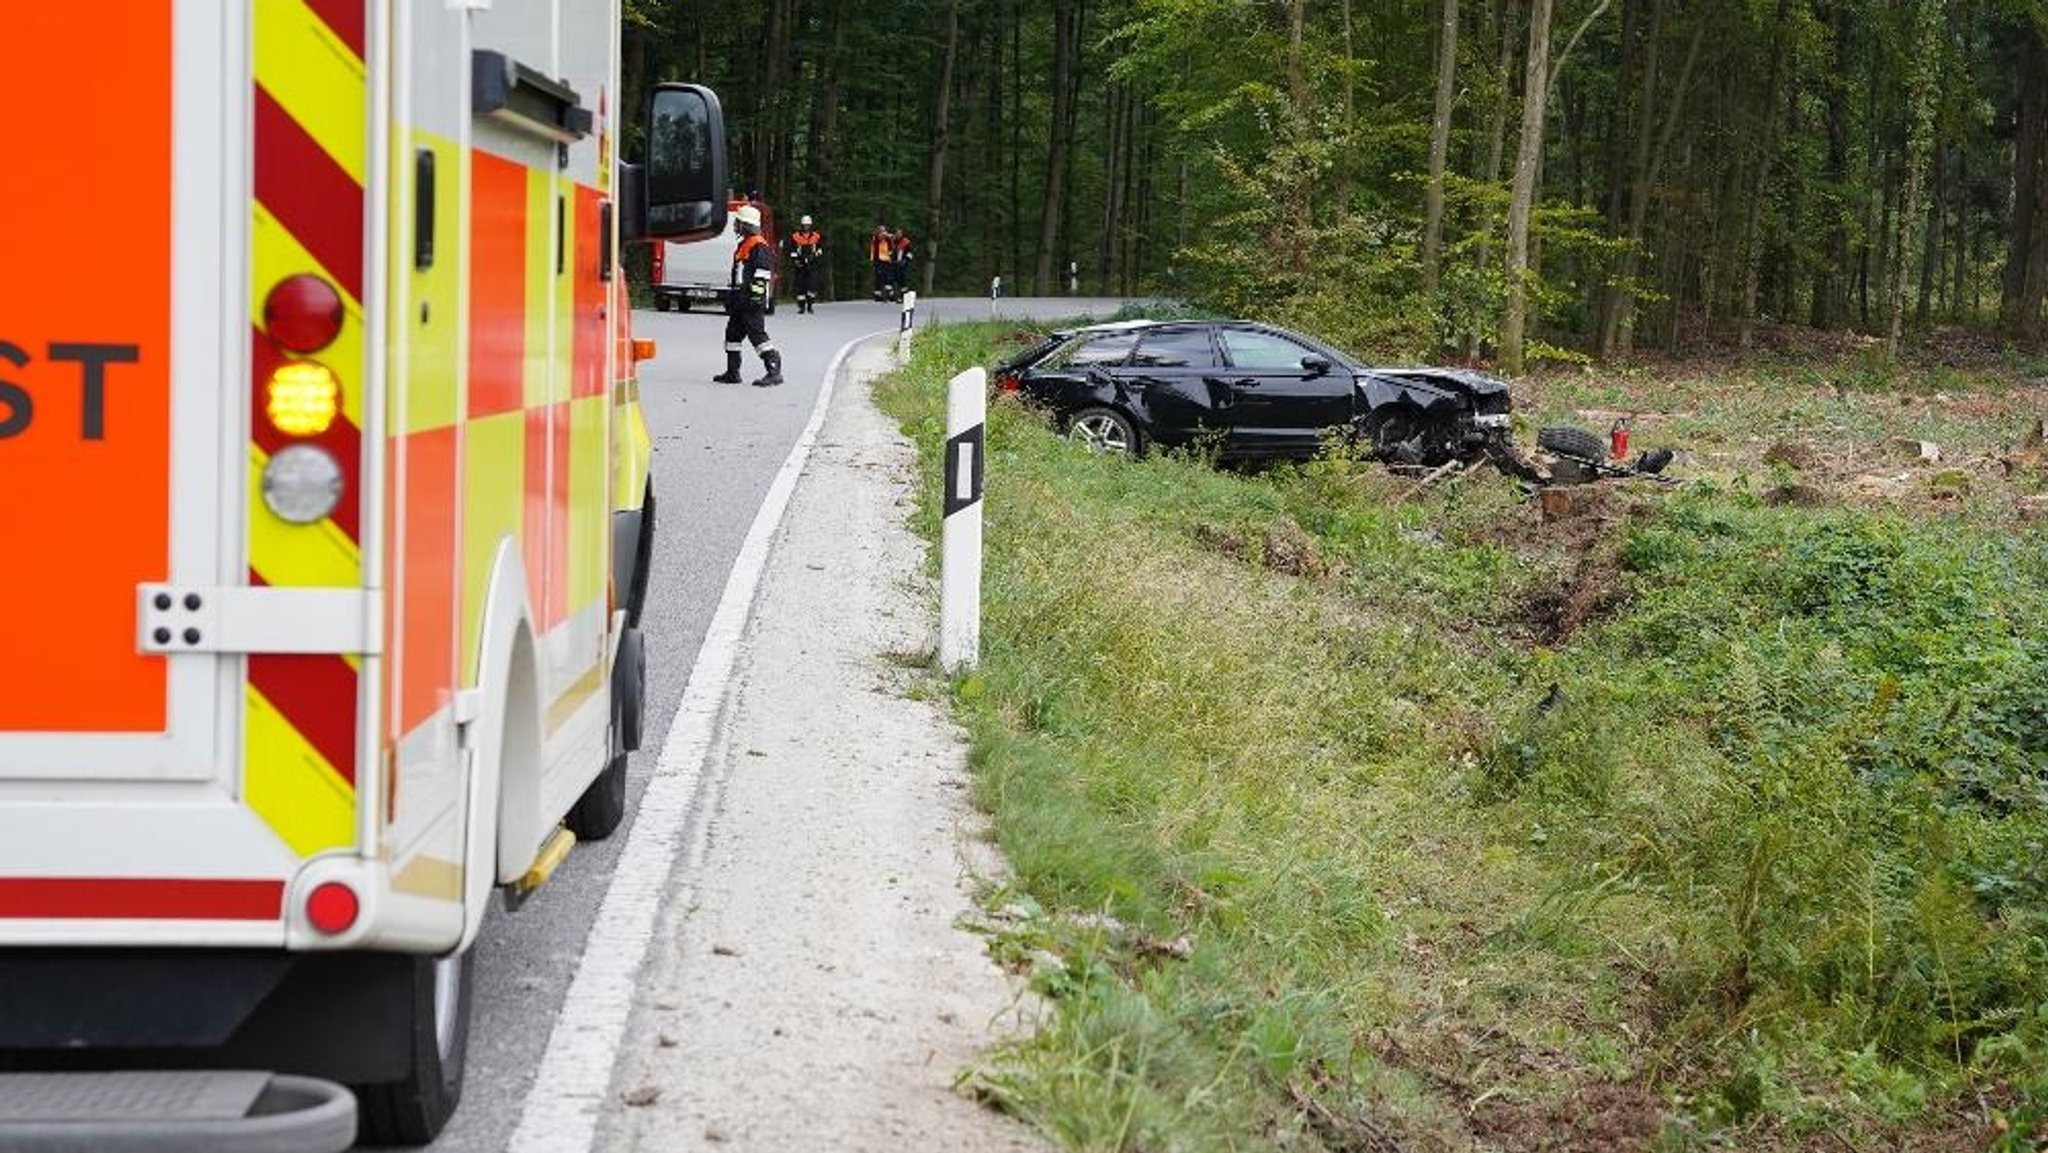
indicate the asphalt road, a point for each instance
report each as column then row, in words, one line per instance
column 717, row 447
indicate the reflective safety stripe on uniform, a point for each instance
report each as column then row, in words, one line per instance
column 310, row 112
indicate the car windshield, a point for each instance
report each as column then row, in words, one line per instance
column 1108, row 348
column 1249, row 349
column 1176, row 348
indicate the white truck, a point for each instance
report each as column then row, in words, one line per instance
column 326, row 540
column 698, row 274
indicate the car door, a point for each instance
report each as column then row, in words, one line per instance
column 1171, row 372
column 1277, row 405
column 1079, row 375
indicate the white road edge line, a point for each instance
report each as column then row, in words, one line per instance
column 570, row 1089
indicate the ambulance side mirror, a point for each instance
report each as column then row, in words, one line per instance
column 684, row 189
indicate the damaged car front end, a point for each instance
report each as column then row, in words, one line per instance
column 1431, row 416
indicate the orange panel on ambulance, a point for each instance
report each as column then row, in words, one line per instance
column 85, row 240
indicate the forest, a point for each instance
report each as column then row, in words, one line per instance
column 1510, row 179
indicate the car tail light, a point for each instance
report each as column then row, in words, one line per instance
column 302, row 313
column 660, row 260
column 332, row 907
column 1007, row 382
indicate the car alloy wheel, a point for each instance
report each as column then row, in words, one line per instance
column 1104, row 430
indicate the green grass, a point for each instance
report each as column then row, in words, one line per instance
column 1346, row 819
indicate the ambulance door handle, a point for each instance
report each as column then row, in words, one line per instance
column 423, row 209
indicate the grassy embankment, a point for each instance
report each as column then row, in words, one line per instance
column 1346, row 817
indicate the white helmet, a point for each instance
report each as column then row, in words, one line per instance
column 748, row 215
column 807, row 222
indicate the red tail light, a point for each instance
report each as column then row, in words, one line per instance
column 1007, row 382
column 660, row 249
column 332, row 907
column 302, row 313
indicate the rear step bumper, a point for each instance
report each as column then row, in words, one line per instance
column 181, row 1112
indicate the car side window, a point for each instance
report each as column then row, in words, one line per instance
column 1248, row 349
column 1109, row 348
column 1176, row 348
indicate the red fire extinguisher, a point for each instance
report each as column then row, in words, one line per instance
column 1617, row 439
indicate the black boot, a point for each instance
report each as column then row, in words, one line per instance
column 772, row 361
column 731, row 375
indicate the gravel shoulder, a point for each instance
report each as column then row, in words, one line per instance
column 810, row 986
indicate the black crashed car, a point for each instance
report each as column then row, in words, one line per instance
column 1250, row 390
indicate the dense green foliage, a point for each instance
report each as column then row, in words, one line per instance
column 1703, row 166
column 1349, row 818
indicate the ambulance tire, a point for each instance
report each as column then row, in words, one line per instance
column 602, row 807
column 413, row 1109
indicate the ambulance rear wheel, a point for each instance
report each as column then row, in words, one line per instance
column 413, row 1109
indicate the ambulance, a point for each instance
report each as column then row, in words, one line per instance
column 325, row 516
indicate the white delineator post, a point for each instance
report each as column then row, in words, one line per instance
column 907, row 323
column 960, row 530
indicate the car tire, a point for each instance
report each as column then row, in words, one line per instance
column 1577, row 443
column 660, row 303
column 1105, row 430
column 413, row 1109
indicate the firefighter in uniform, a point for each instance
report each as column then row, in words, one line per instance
column 746, row 301
column 805, row 247
column 882, row 250
column 901, row 269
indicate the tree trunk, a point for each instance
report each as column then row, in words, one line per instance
column 1920, row 142
column 1522, row 199
column 1298, row 207
column 1752, row 223
column 942, row 128
column 1439, row 148
column 1116, row 146
column 1617, row 313
column 1496, row 136
column 1960, row 244
column 1603, row 296
column 2026, row 266
column 825, row 137
column 1049, row 204
column 1827, row 305
column 1930, row 246
column 1649, row 164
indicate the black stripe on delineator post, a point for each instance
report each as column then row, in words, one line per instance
column 964, row 469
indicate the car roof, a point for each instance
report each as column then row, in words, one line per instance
column 1107, row 326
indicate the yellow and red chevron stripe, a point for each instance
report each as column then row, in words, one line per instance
column 310, row 102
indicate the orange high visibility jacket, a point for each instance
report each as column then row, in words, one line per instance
column 882, row 248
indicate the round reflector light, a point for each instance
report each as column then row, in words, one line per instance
column 302, row 484
column 333, row 907
column 302, row 313
column 303, row 398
